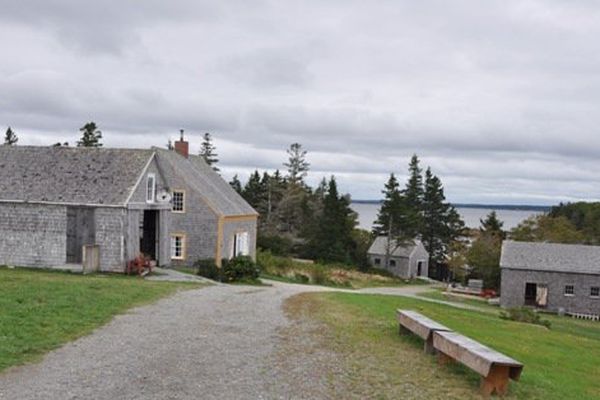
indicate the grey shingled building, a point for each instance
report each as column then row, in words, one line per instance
column 406, row 259
column 169, row 205
column 551, row 276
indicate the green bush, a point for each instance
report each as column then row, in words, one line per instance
column 319, row 275
column 241, row 268
column 278, row 245
column 208, row 269
column 524, row 314
column 301, row 278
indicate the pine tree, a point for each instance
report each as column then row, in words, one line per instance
column 333, row 237
column 492, row 225
column 236, row 184
column 10, row 138
column 441, row 223
column 253, row 191
column 413, row 194
column 91, row 136
column 392, row 212
column 207, row 151
column 297, row 165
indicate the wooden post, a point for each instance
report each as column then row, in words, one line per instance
column 496, row 381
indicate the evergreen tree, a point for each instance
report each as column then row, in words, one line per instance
column 414, row 197
column 253, row 191
column 59, row 144
column 91, row 136
column 491, row 224
column 333, row 237
column 441, row 223
column 236, row 184
column 297, row 165
column 10, row 138
column 207, row 151
column 392, row 216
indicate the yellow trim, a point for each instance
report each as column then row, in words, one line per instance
column 218, row 251
column 240, row 217
column 183, row 202
column 183, row 245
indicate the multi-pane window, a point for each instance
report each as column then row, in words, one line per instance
column 178, row 247
column 595, row 291
column 240, row 244
column 178, row 201
column 392, row 263
column 569, row 290
column 377, row 261
column 150, row 188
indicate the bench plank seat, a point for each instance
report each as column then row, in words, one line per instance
column 495, row 368
column 421, row 326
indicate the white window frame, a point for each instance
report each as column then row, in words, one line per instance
column 572, row 291
column 182, row 239
column 182, row 211
column 595, row 296
column 151, row 190
column 241, row 244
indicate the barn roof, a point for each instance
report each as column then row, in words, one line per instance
column 70, row 175
column 219, row 195
column 403, row 249
column 552, row 257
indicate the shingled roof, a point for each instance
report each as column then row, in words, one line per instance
column 551, row 257
column 402, row 250
column 219, row 195
column 70, row 175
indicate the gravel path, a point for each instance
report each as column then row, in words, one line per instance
column 218, row 342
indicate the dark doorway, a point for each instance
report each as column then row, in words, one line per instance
column 419, row 267
column 530, row 293
column 81, row 230
column 148, row 232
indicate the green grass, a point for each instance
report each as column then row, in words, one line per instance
column 562, row 362
column 41, row 310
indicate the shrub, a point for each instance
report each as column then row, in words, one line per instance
column 208, row 269
column 278, row 245
column 319, row 275
column 524, row 314
column 239, row 269
column 301, row 278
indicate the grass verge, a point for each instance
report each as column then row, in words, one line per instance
column 560, row 363
column 41, row 310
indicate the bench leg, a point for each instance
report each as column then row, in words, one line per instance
column 428, row 347
column 496, row 381
column 444, row 359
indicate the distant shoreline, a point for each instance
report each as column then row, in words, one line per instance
column 480, row 206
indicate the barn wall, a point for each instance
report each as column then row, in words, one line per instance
column 32, row 235
column 234, row 225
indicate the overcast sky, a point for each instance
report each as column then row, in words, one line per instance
column 500, row 98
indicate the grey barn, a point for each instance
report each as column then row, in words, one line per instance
column 405, row 259
column 166, row 204
column 551, row 276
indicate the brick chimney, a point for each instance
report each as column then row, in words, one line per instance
column 181, row 146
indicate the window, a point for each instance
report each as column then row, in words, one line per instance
column 392, row 263
column 595, row 291
column 150, row 188
column 569, row 290
column 240, row 244
column 178, row 201
column 377, row 261
column 178, row 246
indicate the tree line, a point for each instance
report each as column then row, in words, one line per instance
column 419, row 211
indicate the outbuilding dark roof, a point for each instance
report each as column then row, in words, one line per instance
column 552, row 257
column 396, row 250
column 73, row 175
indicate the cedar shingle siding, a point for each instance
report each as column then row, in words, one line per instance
column 41, row 186
column 404, row 258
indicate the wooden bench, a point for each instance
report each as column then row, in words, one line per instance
column 420, row 325
column 494, row 367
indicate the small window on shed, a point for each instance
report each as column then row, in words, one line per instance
column 392, row 263
column 178, row 246
column 595, row 291
column 241, row 245
column 569, row 290
column 150, row 188
column 377, row 261
column 178, row 201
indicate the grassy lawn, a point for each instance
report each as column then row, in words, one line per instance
column 560, row 363
column 40, row 311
